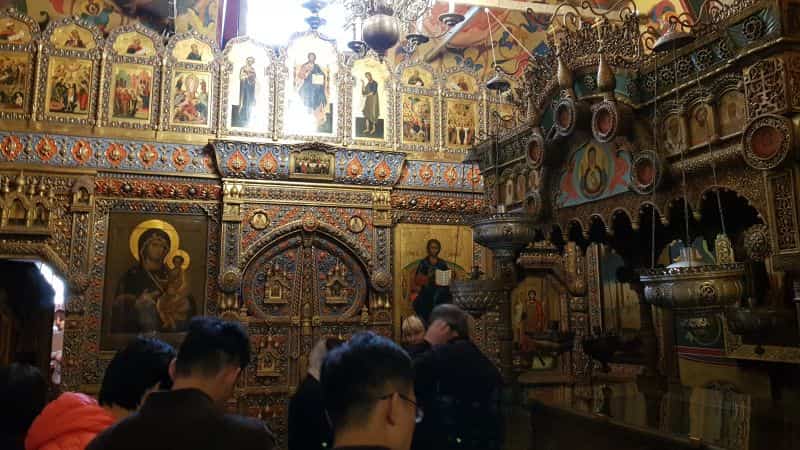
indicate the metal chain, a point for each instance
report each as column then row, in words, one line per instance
column 688, row 242
column 655, row 175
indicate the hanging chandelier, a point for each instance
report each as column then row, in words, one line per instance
column 378, row 24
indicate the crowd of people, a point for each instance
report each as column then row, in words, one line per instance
column 435, row 391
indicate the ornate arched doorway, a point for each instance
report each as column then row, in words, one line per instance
column 300, row 287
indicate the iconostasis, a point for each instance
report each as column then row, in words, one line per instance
column 132, row 84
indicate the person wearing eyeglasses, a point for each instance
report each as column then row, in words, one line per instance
column 368, row 387
column 458, row 386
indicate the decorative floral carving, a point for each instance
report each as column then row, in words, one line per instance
column 230, row 280
column 381, row 280
column 756, row 242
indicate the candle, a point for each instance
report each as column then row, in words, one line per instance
column 452, row 7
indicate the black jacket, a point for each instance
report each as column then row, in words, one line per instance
column 308, row 427
column 458, row 389
column 186, row 419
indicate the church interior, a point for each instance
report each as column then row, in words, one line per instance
column 608, row 188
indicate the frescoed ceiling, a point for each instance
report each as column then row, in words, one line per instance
column 200, row 15
column 470, row 47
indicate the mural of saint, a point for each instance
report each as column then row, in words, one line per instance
column 194, row 54
column 594, row 176
column 371, row 108
column 312, row 86
column 426, row 293
column 154, row 294
column 247, row 94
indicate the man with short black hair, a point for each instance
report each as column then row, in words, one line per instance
column 191, row 416
column 368, row 387
column 457, row 386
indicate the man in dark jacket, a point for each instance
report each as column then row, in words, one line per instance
column 191, row 416
column 457, row 387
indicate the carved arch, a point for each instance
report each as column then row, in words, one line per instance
column 331, row 232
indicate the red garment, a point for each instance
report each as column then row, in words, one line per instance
column 68, row 423
column 620, row 172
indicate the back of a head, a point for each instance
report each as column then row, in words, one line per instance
column 358, row 373
column 23, row 391
column 134, row 370
column 210, row 346
column 412, row 325
column 453, row 316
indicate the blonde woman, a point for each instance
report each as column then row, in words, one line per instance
column 413, row 333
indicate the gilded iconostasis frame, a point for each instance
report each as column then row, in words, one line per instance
column 417, row 89
column 69, row 68
column 261, row 70
column 461, row 89
column 183, row 76
column 318, row 81
column 20, row 46
column 386, row 88
column 143, row 52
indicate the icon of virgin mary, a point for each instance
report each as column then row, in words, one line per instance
column 153, row 294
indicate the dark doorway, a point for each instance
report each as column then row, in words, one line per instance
column 27, row 310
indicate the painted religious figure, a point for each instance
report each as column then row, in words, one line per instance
column 194, row 53
column 415, row 79
column 674, row 133
column 731, row 113
column 594, row 171
column 370, row 105
column 241, row 113
column 68, row 84
column 192, row 50
column 190, row 98
column 594, row 174
column 417, row 118
column 14, row 69
column 132, row 92
column 311, row 164
column 700, row 124
column 14, row 32
column 371, row 110
column 461, row 123
column 199, row 15
column 430, row 285
column 154, row 294
column 312, row 86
